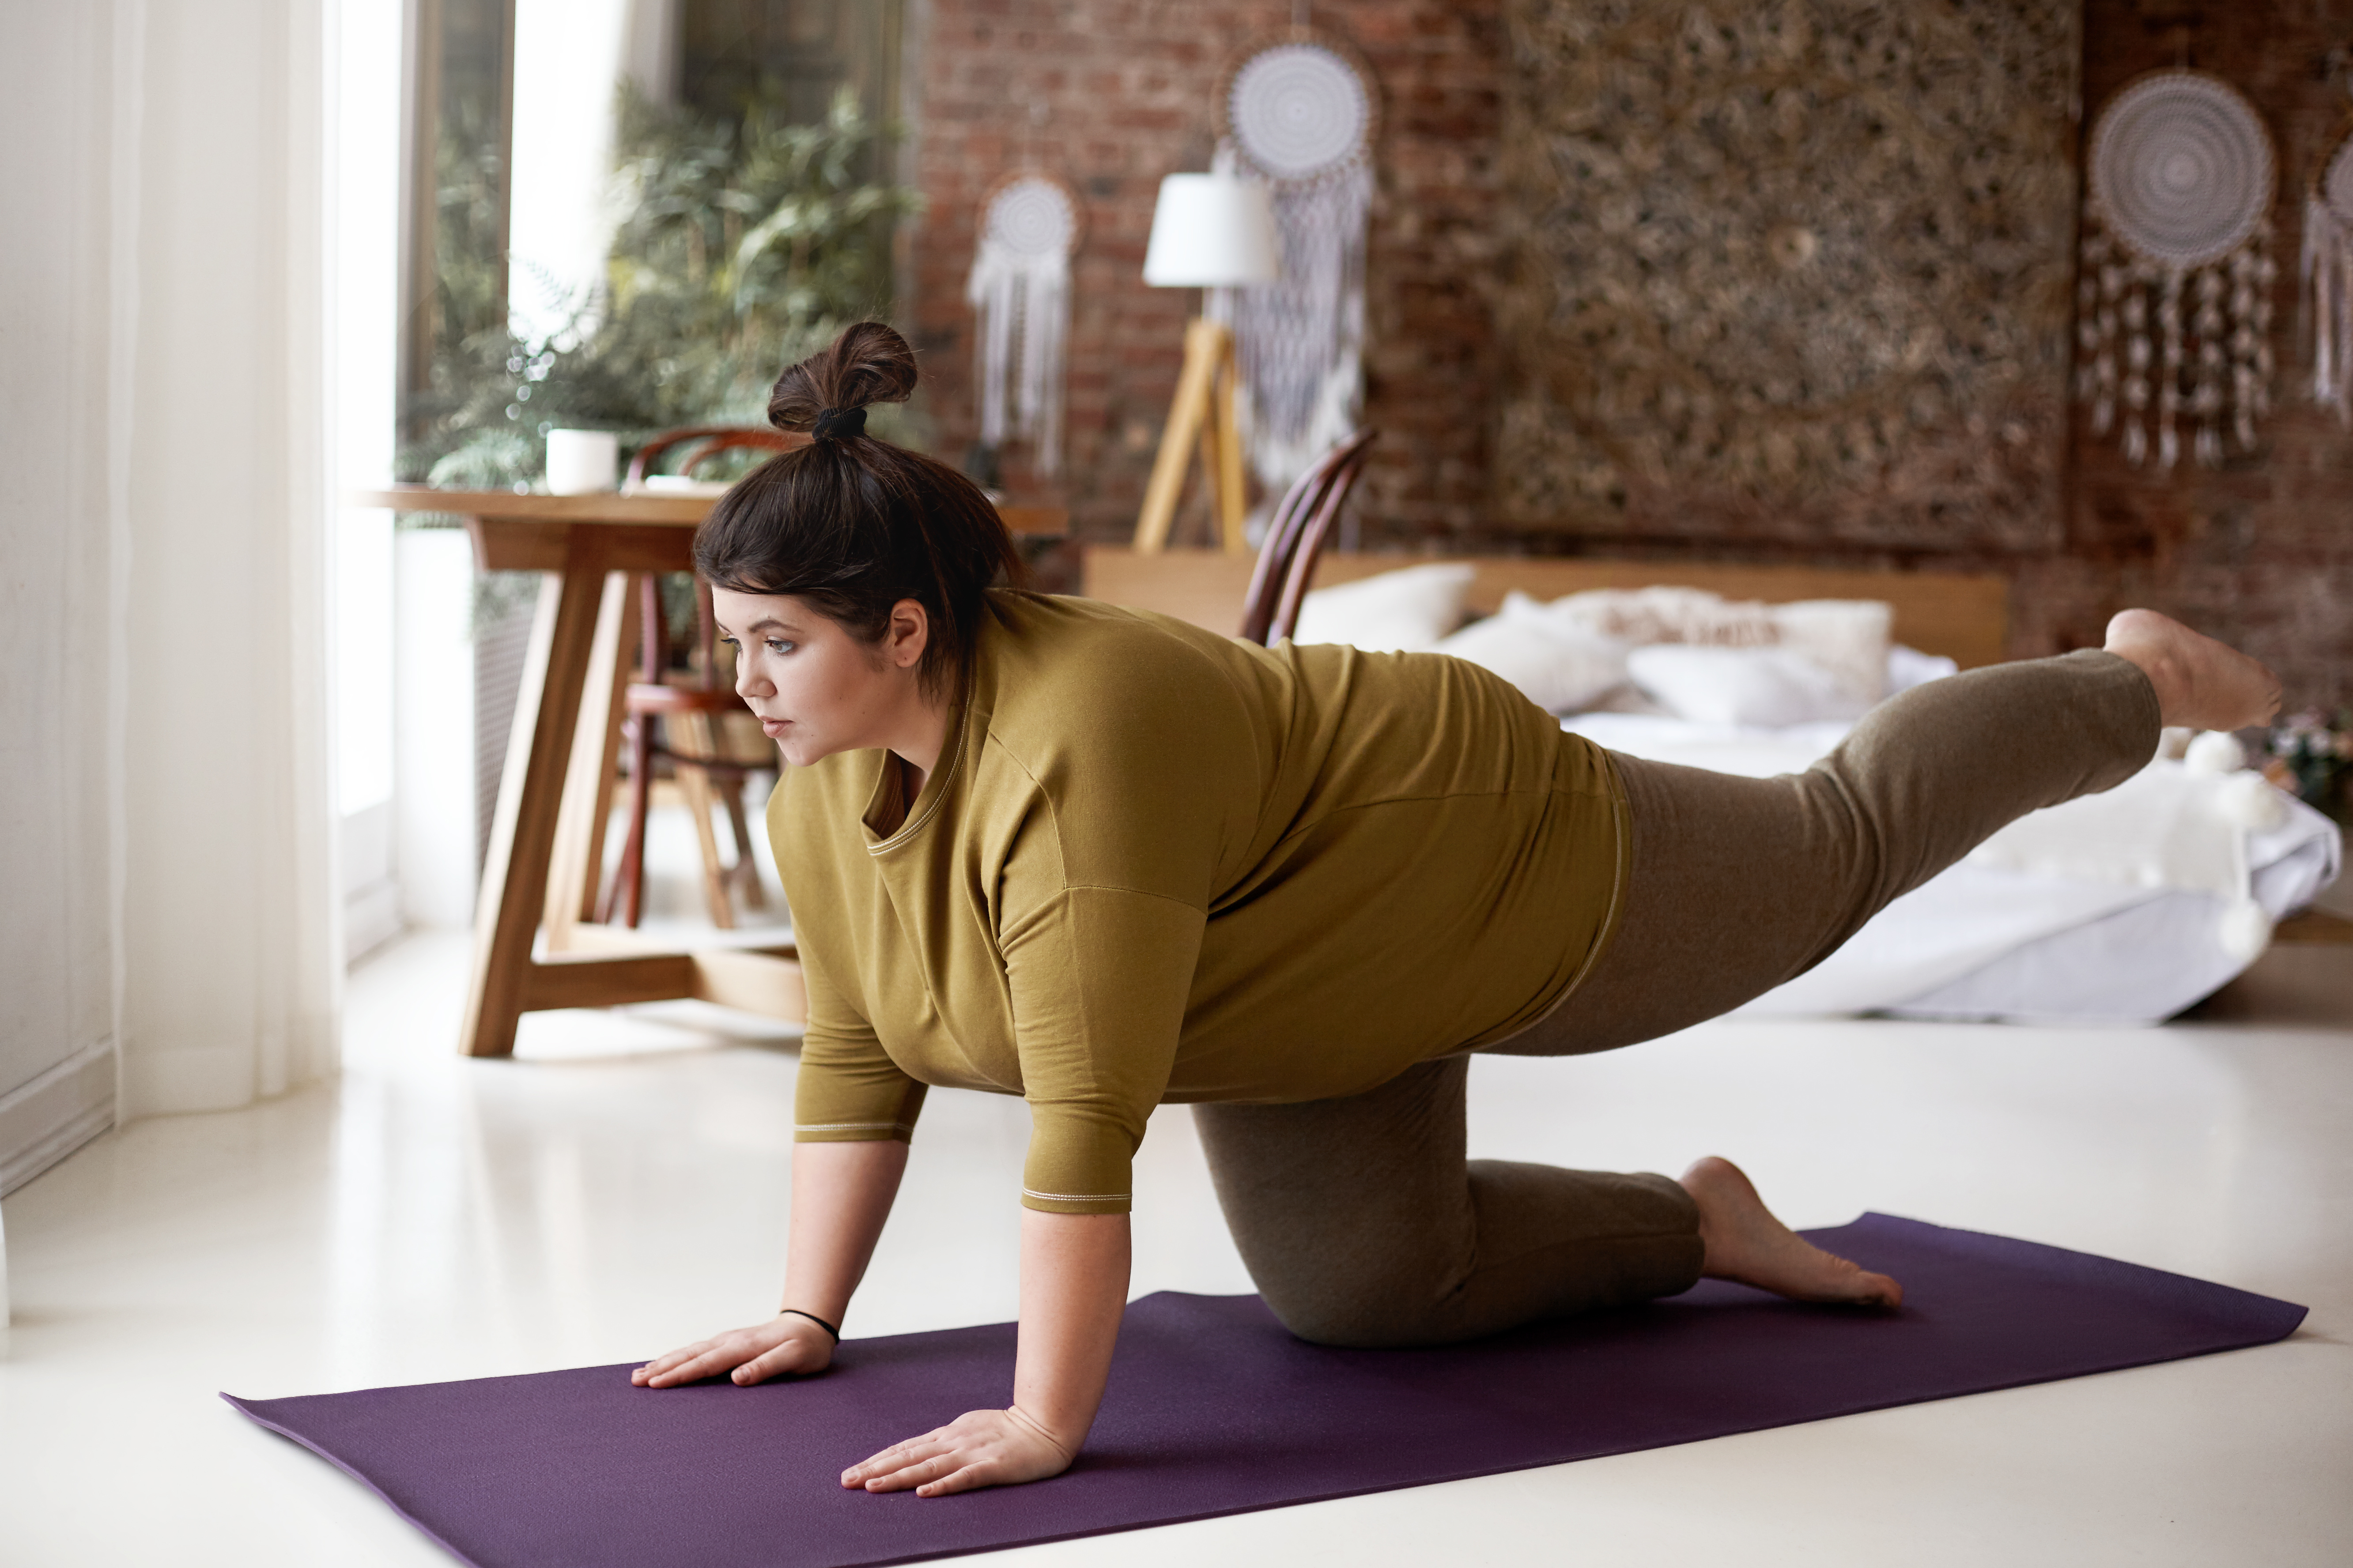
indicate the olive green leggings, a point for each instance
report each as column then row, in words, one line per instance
column 1361, row 1220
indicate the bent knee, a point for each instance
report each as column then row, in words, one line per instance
column 1365, row 1323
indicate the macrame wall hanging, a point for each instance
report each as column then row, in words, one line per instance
column 2329, row 279
column 1020, row 291
column 2174, row 298
column 1300, row 114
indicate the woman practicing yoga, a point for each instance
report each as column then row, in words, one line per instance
column 1103, row 859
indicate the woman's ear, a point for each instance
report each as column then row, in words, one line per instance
column 910, row 634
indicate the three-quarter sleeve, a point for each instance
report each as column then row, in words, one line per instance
column 1098, row 978
column 848, row 1090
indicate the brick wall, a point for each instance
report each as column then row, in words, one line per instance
column 1115, row 93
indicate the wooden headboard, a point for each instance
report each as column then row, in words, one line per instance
column 1964, row 616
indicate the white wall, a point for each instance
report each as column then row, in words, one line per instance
column 165, row 849
column 62, row 326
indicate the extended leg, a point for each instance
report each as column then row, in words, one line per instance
column 1739, row 884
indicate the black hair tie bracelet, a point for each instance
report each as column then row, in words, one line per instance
column 812, row 1317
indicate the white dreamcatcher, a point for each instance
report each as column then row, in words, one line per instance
column 1020, row 291
column 2328, row 281
column 2175, row 295
column 1300, row 115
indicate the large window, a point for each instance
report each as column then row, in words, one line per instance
column 624, row 215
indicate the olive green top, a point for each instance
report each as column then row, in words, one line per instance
column 1156, row 864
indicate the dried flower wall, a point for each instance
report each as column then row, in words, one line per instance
column 1793, row 272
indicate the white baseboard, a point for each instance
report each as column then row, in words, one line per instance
column 48, row 1119
column 172, row 1080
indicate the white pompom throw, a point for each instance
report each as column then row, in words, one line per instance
column 2246, row 930
column 2214, row 751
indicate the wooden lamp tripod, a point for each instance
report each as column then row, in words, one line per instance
column 1209, row 231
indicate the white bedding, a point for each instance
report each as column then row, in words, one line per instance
column 2115, row 908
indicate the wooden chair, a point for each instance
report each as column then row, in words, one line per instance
column 1295, row 537
column 706, row 442
column 693, row 706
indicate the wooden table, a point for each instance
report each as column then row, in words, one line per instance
column 546, row 838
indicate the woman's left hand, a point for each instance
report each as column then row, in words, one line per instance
column 979, row 1449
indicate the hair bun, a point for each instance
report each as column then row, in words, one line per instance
column 868, row 364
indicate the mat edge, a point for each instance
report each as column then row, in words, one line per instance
column 2301, row 1311
column 246, row 1410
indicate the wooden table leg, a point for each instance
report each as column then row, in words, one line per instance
column 575, row 868
column 530, row 796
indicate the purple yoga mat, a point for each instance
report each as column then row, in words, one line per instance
column 1214, row 1409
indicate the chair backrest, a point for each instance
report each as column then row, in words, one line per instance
column 1295, row 536
column 655, row 646
column 707, row 441
column 714, row 439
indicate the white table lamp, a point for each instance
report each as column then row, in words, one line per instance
column 1209, row 231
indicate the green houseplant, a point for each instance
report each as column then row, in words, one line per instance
column 745, row 241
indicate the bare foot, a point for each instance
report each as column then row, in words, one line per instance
column 1746, row 1244
column 2200, row 682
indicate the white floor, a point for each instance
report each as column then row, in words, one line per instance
column 620, row 1187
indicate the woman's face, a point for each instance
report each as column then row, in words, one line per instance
column 818, row 690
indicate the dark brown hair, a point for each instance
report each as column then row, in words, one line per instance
column 852, row 524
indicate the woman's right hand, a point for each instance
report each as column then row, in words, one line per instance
column 787, row 1343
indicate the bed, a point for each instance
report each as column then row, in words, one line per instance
column 2124, row 908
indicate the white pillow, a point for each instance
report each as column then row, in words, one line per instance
column 1641, row 616
column 1762, row 688
column 1908, row 668
column 1396, row 612
column 1848, row 637
column 1557, row 666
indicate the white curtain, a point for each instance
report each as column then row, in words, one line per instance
column 168, row 941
